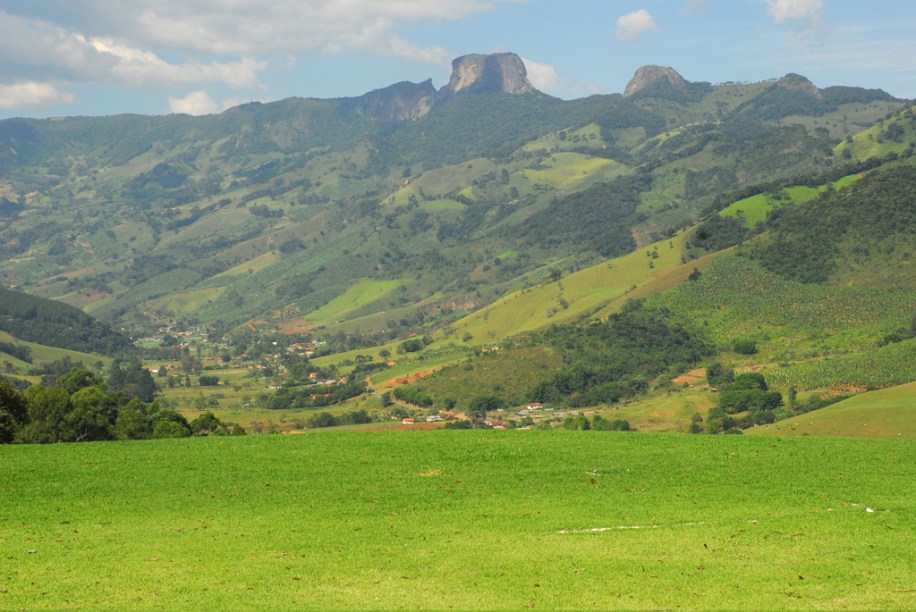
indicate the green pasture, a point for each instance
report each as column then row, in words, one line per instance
column 567, row 170
column 886, row 413
column 443, row 205
column 188, row 301
column 449, row 519
column 46, row 354
column 135, row 234
column 588, row 136
column 256, row 264
column 214, row 224
column 448, row 178
column 754, row 209
column 668, row 411
column 846, row 119
column 873, row 142
column 575, row 296
column 357, row 296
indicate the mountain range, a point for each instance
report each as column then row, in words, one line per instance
column 369, row 219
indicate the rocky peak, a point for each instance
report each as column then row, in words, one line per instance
column 647, row 75
column 796, row 82
column 497, row 72
column 399, row 102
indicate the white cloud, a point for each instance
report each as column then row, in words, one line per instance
column 632, row 25
column 780, row 10
column 695, row 6
column 32, row 95
column 255, row 27
column 195, row 103
column 36, row 48
column 543, row 76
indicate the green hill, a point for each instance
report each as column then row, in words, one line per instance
column 51, row 323
column 768, row 307
column 886, row 413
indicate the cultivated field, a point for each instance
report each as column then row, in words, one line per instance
column 459, row 519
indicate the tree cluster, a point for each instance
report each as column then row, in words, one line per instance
column 81, row 407
column 744, row 401
column 872, row 218
column 615, row 359
column 315, row 396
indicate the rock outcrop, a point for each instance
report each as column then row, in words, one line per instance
column 497, row 72
column 403, row 101
column 647, row 75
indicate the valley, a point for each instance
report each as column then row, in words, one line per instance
column 372, row 352
column 410, row 236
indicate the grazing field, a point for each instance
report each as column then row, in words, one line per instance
column 886, row 413
column 45, row 354
column 754, row 209
column 459, row 519
column 355, row 297
column 597, row 290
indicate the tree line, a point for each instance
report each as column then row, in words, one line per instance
column 81, row 406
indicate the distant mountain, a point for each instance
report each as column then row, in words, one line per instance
column 378, row 216
column 503, row 72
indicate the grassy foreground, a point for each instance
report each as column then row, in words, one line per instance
column 460, row 519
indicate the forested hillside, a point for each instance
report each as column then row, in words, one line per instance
column 35, row 319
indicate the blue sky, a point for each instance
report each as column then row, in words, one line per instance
column 101, row 57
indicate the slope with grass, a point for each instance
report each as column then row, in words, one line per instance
column 886, row 413
column 449, row 519
column 602, row 288
column 51, row 323
column 754, row 209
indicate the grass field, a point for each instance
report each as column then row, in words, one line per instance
column 886, row 413
column 188, row 301
column 754, row 209
column 469, row 520
column 604, row 287
column 46, row 354
column 355, row 297
column 255, row 265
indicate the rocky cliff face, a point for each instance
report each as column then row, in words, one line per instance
column 399, row 102
column 647, row 75
column 498, row 72
column 406, row 101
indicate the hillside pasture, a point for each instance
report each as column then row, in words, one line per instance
column 602, row 288
column 256, row 264
column 449, row 519
column 886, row 413
column 567, row 170
column 354, row 298
column 46, row 354
column 754, row 209
column 188, row 301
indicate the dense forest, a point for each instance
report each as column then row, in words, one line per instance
column 873, row 219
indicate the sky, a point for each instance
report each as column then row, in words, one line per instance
column 104, row 57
